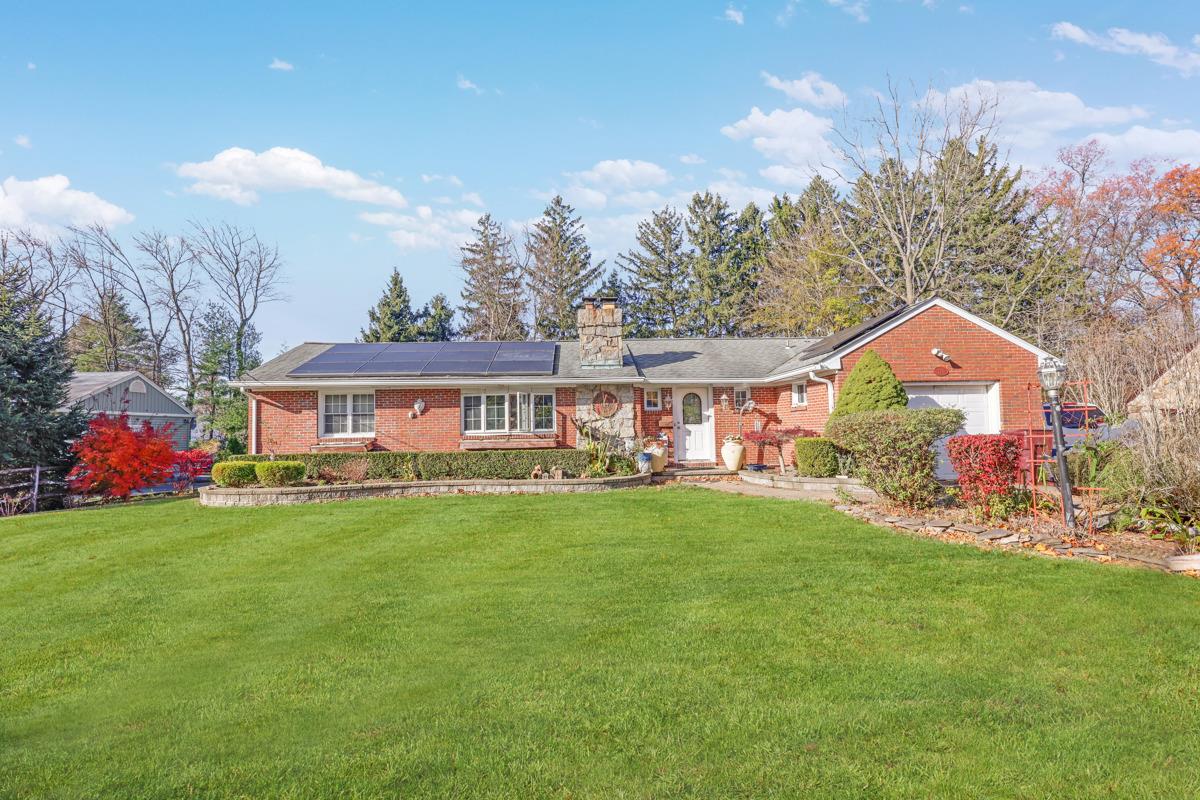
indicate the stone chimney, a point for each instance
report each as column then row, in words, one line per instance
column 599, row 322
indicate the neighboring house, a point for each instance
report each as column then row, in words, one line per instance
column 1176, row 390
column 490, row 395
column 135, row 394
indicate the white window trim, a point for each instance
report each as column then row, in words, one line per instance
column 646, row 400
column 350, row 411
column 796, row 401
column 736, row 405
column 504, row 391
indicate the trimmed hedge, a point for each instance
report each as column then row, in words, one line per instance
column 454, row 465
column 279, row 473
column 234, row 473
column 816, row 457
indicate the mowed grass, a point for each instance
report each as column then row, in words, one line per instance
column 648, row 643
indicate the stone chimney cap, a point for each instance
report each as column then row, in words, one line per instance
column 600, row 300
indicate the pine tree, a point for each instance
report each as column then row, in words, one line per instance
column 560, row 270
column 221, row 410
column 392, row 318
column 710, row 233
column 870, row 386
column 786, row 217
column 109, row 338
column 613, row 286
column 36, row 426
column 493, row 293
column 748, row 258
column 657, row 290
column 435, row 322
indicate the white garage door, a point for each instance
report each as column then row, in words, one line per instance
column 980, row 403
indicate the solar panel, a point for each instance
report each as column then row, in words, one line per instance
column 432, row 358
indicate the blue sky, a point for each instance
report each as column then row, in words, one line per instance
column 372, row 137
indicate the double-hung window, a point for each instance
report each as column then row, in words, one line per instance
column 652, row 400
column 348, row 414
column 508, row 412
column 740, row 396
column 800, row 393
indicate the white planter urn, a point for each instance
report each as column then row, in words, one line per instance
column 733, row 454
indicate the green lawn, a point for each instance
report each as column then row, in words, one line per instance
column 644, row 643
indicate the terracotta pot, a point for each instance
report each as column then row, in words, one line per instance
column 733, row 454
column 1184, row 563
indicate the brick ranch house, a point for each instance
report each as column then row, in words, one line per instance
column 453, row 396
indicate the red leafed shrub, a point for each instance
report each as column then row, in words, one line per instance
column 986, row 465
column 776, row 438
column 189, row 465
column 116, row 460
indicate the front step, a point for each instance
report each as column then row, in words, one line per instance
column 688, row 473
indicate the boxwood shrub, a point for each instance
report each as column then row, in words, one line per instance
column 234, row 473
column 279, row 473
column 816, row 457
column 454, row 465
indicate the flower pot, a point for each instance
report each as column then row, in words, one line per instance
column 1185, row 563
column 644, row 463
column 658, row 458
column 732, row 453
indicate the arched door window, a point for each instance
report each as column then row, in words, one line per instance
column 693, row 409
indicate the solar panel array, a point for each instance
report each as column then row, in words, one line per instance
column 423, row 359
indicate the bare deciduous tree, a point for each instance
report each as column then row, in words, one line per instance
column 173, row 265
column 244, row 271
column 45, row 270
column 909, row 167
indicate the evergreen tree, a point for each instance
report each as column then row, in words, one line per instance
column 748, row 258
column 392, row 318
column 560, row 270
column 493, row 294
column 613, row 286
column 36, row 426
column 109, row 338
column 870, row 386
column 435, row 322
column 710, row 233
column 786, row 217
column 220, row 409
column 657, row 290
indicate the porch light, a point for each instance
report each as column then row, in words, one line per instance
column 724, row 402
column 419, row 406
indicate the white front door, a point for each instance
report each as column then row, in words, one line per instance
column 979, row 402
column 692, row 412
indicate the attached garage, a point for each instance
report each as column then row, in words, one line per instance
column 980, row 402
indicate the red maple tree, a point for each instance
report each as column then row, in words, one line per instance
column 190, row 465
column 115, row 460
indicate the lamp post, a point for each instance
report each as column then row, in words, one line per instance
column 1053, row 376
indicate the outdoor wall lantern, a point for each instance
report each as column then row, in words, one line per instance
column 940, row 353
column 1053, row 376
column 724, row 402
column 418, row 408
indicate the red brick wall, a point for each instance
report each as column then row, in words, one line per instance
column 976, row 355
column 287, row 421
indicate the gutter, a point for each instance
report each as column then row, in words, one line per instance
column 812, row 376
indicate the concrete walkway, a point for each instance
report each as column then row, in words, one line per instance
column 753, row 490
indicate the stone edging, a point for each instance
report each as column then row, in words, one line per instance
column 215, row 496
column 802, row 484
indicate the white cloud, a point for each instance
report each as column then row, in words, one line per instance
column 622, row 173
column 639, row 199
column 473, row 198
column 29, row 65
column 427, row 228
column 690, row 158
column 1031, row 117
column 736, row 16
column 810, row 88
column 1154, row 46
column 238, row 175
column 21, row 140
column 855, row 8
column 786, row 13
column 281, row 65
column 453, row 180
column 44, row 204
column 585, row 197
column 796, row 138
column 467, row 85
column 1141, row 142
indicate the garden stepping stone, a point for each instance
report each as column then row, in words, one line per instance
column 967, row 527
column 941, row 524
column 994, row 534
column 1010, row 539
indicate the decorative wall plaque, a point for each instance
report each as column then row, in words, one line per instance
column 605, row 403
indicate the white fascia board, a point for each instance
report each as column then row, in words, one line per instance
column 828, row 365
column 384, row 383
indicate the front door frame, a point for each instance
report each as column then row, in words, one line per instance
column 705, row 392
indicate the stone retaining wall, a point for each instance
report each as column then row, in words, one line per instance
column 802, row 484
column 290, row 495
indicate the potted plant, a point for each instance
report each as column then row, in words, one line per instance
column 733, row 452
column 657, row 449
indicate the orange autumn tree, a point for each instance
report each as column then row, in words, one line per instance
column 1172, row 263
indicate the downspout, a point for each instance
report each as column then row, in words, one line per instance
column 253, row 422
column 812, row 376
